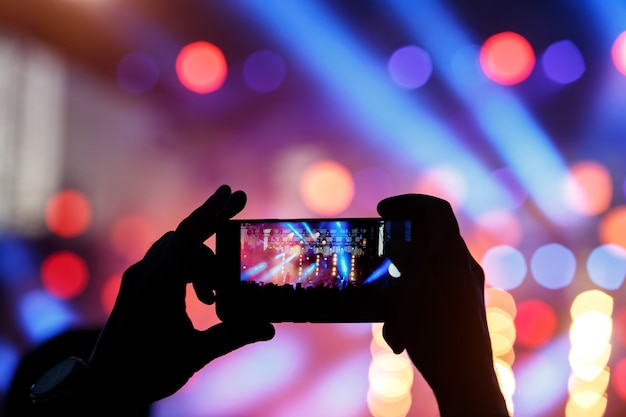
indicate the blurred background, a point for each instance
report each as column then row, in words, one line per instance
column 118, row 118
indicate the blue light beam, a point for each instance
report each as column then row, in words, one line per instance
column 392, row 119
column 504, row 120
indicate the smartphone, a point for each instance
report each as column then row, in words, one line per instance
column 307, row 270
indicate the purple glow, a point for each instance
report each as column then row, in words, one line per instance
column 254, row 374
column 563, row 62
column 541, row 379
column 372, row 185
column 137, row 73
column 9, row 359
column 507, row 178
column 410, row 67
column 341, row 391
column 264, row 71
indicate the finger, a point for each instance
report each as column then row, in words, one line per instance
column 433, row 221
column 408, row 206
column 226, row 337
column 202, row 222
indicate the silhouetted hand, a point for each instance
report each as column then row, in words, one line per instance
column 439, row 315
column 149, row 348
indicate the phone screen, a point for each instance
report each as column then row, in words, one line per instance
column 316, row 270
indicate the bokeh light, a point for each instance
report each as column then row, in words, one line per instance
column 264, row 71
column 380, row 407
column 501, row 331
column 592, row 300
column 410, row 67
column 68, row 213
column 327, row 188
column 612, row 227
column 137, row 73
column 506, row 380
column 507, row 58
column 553, row 266
column 43, row 316
column 132, row 235
column 618, row 53
column 562, row 62
column 606, row 266
column 500, row 299
column 588, row 188
column 201, row 67
column 64, row 274
column 598, row 402
column 391, row 376
column 505, row 267
column 590, row 334
column 535, row 322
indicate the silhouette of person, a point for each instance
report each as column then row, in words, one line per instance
column 148, row 348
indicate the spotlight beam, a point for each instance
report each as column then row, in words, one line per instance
column 389, row 117
column 504, row 120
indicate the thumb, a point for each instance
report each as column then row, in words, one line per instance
column 226, row 337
